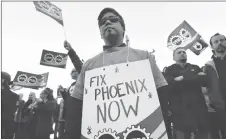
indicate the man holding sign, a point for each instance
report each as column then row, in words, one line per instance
column 117, row 92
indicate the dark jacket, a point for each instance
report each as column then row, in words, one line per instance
column 9, row 100
column 30, row 118
column 75, row 60
column 8, row 108
column 44, row 112
column 189, row 111
column 65, row 94
column 213, row 87
column 18, row 115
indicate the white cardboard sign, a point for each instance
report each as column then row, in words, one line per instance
column 121, row 102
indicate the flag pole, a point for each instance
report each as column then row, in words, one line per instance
column 64, row 34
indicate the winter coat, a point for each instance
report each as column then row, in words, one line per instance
column 189, row 111
column 213, row 88
column 18, row 114
column 44, row 112
column 8, row 109
column 75, row 60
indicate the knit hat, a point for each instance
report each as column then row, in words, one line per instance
column 111, row 10
column 6, row 76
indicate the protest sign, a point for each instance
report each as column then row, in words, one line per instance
column 183, row 36
column 50, row 10
column 53, row 59
column 199, row 46
column 121, row 102
column 30, row 80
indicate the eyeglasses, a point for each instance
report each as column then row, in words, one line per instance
column 113, row 19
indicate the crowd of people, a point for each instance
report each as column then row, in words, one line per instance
column 192, row 99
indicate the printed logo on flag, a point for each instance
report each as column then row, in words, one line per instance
column 49, row 9
column 54, row 59
column 199, row 46
column 183, row 36
column 30, row 80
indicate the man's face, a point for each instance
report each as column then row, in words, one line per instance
column 110, row 27
column 32, row 95
column 180, row 55
column 219, row 43
column 74, row 74
column 43, row 95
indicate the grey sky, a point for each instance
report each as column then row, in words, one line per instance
column 26, row 32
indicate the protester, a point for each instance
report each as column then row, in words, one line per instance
column 8, row 102
column 112, row 29
column 65, row 93
column 216, row 89
column 73, row 56
column 187, row 103
column 44, row 109
column 20, row 127
column 61, row 121
column 30, row 118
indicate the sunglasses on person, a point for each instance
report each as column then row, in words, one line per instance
column 113, row 19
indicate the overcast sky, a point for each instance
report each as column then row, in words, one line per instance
column 26, row 32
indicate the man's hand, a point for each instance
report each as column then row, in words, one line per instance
column 60, row 88
column 201, row 73
column 67, row 46
column 179, row 78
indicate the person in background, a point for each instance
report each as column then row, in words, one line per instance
column 8, row 108
column 19, row 125
column 44, row 110
column 61, row 120
column 215, row 70
column 65, row 93
column 30, row 118
column 187, row 103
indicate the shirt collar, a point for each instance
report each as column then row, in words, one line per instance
column 106, row 47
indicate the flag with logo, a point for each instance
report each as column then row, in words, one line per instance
column 30, row 80
column 53, row 59
column 50, row 10
column 183, row 36
column 199, row 46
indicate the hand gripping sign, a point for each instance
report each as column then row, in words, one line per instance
column 121, row 102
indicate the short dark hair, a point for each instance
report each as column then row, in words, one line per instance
column 177, row 49
column 49, row 93
column 111, row 10
column 214, row 36
column 6, row 76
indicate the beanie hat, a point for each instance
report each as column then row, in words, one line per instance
column 111, row 10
